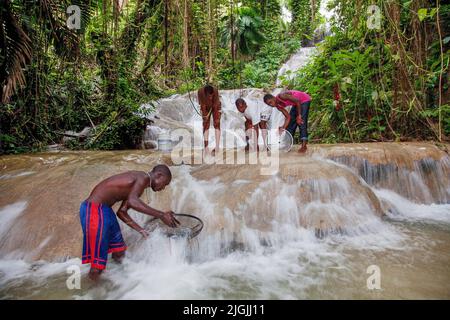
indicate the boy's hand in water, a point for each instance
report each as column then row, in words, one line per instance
column 169, row 219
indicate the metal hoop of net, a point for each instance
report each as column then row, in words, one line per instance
column 279, row 141
column 190, row 226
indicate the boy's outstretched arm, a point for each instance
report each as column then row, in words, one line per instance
column 137, row 204
column 287, row 117
column 123, row 215
column 123, row 206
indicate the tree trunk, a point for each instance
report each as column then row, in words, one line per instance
column 233, row 51
column 166, row 39
column 186, row 35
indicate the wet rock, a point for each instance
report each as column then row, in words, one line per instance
column 150, row 144
column 55, row 147
column 308, row 192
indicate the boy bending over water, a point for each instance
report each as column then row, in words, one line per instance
column 101, row 230
column 298, row 116
column 256, row 116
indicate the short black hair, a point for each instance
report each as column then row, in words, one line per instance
column 267, row 97
column 209, row 89
column 240, row 101
column 164, row 170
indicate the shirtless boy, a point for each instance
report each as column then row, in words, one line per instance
column 101, row 230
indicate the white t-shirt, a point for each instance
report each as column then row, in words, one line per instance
column 265, row 111
column 256, row 112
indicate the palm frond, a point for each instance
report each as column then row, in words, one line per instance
column 15, row 53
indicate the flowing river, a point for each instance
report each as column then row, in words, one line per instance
column 380, row 204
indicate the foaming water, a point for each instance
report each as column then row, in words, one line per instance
column 310, row 231
column 399, row 207
column 8, row 215
column 264, row 245
column 162, row 268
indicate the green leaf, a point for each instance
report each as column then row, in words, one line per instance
column 432, row 12
column 422, row 13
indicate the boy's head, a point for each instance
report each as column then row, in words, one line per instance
column 161, row 177
column 241, row 105
column 209, row 90
column 270, row 100
column 209, row 93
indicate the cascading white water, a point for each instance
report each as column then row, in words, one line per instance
column 260, row 241
column 303, row 55
column 181, row 111
column 426, row 181
column 295, row 63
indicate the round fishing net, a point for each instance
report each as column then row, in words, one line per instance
column 281, row 141
column 190, row 226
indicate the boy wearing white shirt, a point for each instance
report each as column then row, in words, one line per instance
column 256, row 116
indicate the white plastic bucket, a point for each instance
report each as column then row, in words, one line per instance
column 164, row 142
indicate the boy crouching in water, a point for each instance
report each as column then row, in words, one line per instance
column 101, row 230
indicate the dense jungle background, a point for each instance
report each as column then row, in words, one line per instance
column 381, row 72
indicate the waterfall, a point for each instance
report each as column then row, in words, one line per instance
column 295, row 63
column 181, row 111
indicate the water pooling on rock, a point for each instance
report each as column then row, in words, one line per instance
column 260, row 238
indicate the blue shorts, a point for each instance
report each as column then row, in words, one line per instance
column 101, row 234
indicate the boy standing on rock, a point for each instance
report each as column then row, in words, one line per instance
column 256, row 117
column 208, row 98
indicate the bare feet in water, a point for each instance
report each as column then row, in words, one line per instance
column 210, row 152
column 303, row 149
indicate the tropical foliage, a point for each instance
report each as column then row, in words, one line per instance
column 60, row 71
column 385, row 79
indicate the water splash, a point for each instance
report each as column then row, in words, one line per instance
column 424, row 181
column 401, row 208
column 260, row 238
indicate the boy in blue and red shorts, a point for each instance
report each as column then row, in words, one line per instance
column 101, row 234
column 101, row 230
